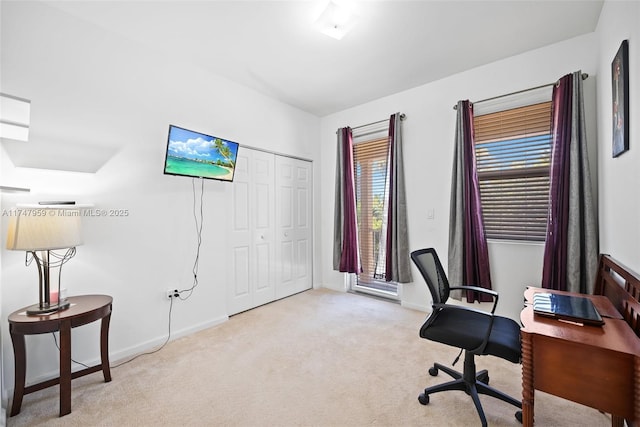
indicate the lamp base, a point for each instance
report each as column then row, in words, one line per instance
column 37, row 310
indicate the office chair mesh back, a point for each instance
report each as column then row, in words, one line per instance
column 429, row 265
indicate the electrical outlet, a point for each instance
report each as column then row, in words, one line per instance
column 172, row 293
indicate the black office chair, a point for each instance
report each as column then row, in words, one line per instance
column 474, row 331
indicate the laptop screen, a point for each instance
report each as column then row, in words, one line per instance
column 567, row 307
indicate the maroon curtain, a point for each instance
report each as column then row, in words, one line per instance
column 555, row 248
column 345, row 249
column 555, row 271
column 469, row 241
column 476, row 250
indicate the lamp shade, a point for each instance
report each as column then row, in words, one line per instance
column 44, row 229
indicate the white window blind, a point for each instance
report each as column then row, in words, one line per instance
column 513, row 157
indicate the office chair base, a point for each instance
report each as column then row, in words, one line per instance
column 482, row 376
column 471, row 383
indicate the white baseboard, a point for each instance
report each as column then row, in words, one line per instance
column 122, row 355
column 126, row 353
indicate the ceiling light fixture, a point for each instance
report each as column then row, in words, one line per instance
column 336, row 20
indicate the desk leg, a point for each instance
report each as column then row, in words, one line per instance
column 527, row 380
column 636, row 401
column 20, row 370
column 104, row 347
column 65, row 367
column 617, row 421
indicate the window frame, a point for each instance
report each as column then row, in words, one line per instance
column 375, row 134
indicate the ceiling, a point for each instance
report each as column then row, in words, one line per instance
column 272, row 46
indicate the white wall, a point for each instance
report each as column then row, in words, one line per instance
column 428, row 134
column 95, row 91
column 619, row 195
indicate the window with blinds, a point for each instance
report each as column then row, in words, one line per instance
column 513, row 157
column 370, row 165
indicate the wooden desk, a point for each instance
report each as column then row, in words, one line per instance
column 591, row 365
column 84, row 309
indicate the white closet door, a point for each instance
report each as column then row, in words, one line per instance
column 252, row 276
column 263, row 211
column 294, row 226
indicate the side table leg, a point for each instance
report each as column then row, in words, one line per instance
column 104, row 347
column 65, row 367
column 19, row 354
column 527, row 379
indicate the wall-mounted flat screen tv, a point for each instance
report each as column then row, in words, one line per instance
column 197, row 155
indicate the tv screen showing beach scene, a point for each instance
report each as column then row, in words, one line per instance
column 197, row 155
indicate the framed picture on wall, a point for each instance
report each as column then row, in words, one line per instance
column 620, row 92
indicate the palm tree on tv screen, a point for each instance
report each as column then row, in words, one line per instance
column 223, row 149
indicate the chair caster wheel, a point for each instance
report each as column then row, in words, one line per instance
column 423, row 398
column 519, row 416
column 433, row 371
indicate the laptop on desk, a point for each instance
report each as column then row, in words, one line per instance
column 567, row 307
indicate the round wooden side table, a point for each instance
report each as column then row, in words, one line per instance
column 84, row 309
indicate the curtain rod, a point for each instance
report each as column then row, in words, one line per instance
column 584, row 77
column 402, row 117
column 276, row 153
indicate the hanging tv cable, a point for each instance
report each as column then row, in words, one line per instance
column 198, row 217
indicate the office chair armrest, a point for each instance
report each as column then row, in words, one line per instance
column 462, row 307
column 485, row 291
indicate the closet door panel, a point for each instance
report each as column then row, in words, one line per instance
column 303, row 229
column 263, row 267
column 262, row 211
column 286, row 263
column 239, row 296
column 251, row 236
column 240, row 266
column 285, row 213
column 303, row 251
column 293, row 186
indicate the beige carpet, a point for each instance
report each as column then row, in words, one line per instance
column 319, row 358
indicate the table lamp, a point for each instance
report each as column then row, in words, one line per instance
column 39, row 232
